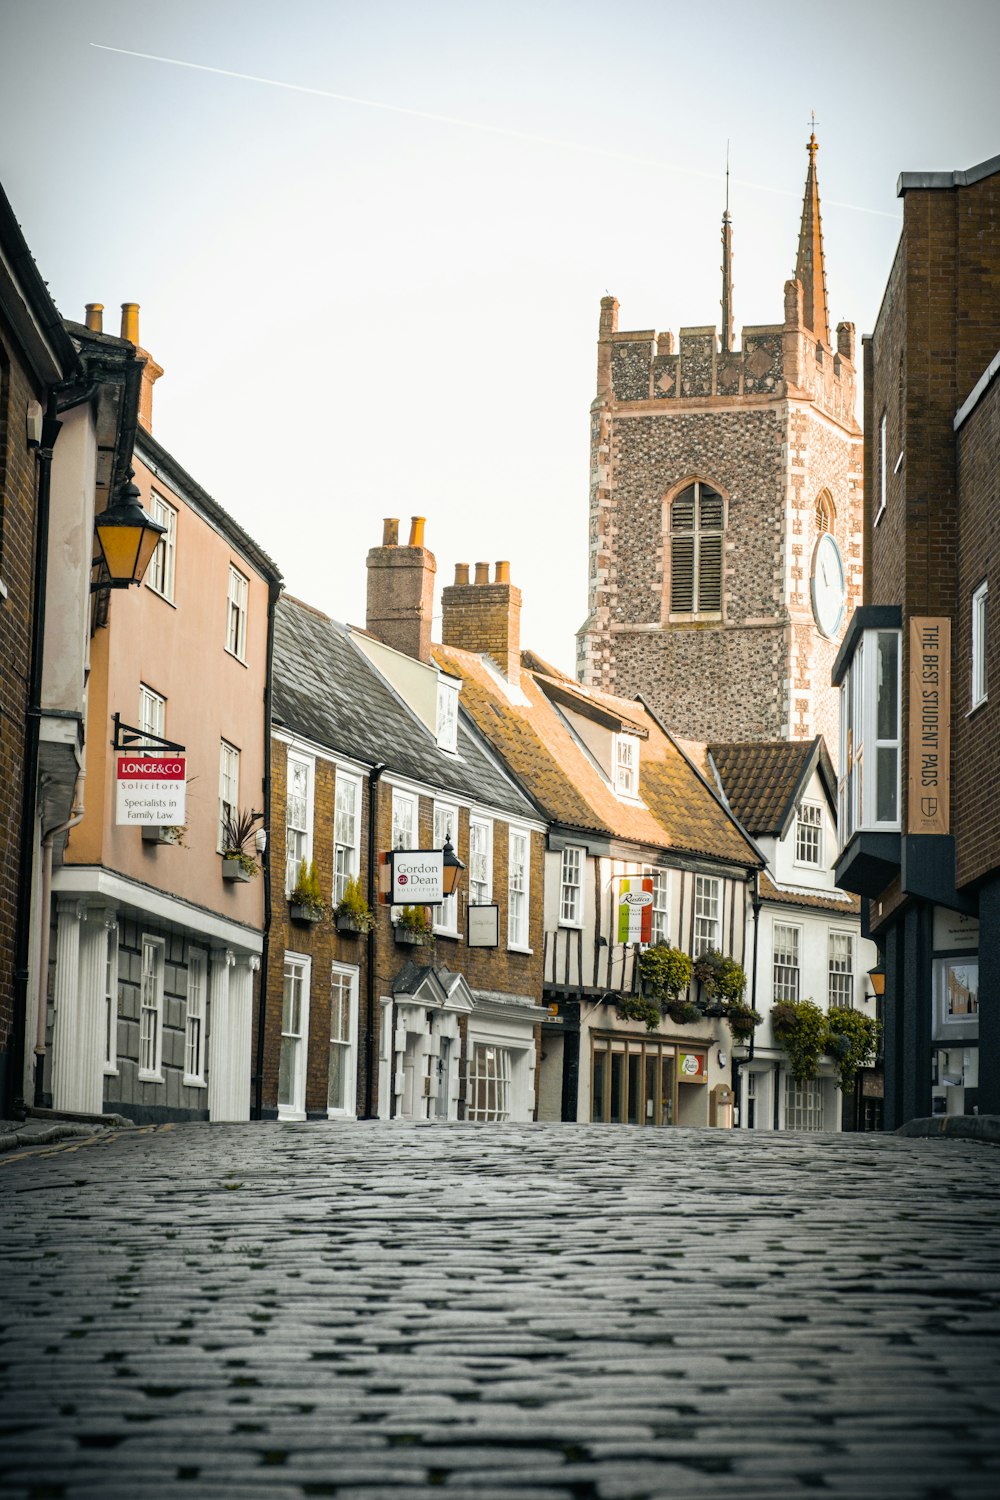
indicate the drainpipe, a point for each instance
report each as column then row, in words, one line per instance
column 45, row 919
column 739, row 1063
column 374, row 776
column 274, row 590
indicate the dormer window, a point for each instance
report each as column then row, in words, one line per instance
column 809, row 835
column 447, row 714
column 627, row 765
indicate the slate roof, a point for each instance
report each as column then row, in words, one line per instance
column 326, row 690
column 678, row 811
column 763, row 782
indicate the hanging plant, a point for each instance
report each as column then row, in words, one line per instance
column 742, row 1019
column 852, row 1040
column 665, row 972
column 636, row 1008
column 684, row 1012
column 800, row 1028
column 720, row 975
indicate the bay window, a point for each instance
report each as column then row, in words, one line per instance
column 869, row 793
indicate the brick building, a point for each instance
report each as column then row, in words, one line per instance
column 725, row 512
column 919, row 667
column 68, row 406
column 371, row 753
column 628, row 816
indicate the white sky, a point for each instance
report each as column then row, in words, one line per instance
column 371, row 311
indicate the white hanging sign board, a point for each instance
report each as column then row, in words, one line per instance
column 417, row 877
column 150, row 789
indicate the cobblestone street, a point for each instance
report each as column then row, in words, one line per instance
column 540, row 1312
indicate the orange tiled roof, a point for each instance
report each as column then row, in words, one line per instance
column 676, row 811
column 843, row 902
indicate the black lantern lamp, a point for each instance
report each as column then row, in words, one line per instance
column 127, row 537
column 877, row 977
column 452, row 868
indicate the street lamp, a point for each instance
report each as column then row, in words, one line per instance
column 127, row 537
column 452, row 868
column 877, row 977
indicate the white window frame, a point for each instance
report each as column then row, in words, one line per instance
column 786, row 962
column 804, row 1104
column 860, row 742
column 707, row 926
column 445, row 822
column 447, row 714
column 297, row 968
column 518, row 888
column 571, row 868
column 229, row 784
column 111, row 1000
column 627, row 765
column 489, row 1083
column 301, row 771
column 405, row 819
column 660, row 922
column 151, row 987
column 840, row 969
column 152, row 712
column 480, row 860
column 160, row 573
column 237, row 604
column 809, row 835
column 346, row 832
column 195, row 1019
column 980, row 626
column 882, row 471
column 344, row 983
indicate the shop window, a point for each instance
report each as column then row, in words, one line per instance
column 803, row 1104
column 151, row 1010
column 632, row 1081
column 489, row 1083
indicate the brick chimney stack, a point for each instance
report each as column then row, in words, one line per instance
column 151, row 371
column 401, row 590
column 485, row 617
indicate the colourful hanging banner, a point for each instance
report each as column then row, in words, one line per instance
column 635, row 909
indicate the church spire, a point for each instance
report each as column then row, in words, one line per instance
column 810, row 267
column 727, row 269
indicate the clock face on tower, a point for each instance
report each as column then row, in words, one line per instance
column 829, row 586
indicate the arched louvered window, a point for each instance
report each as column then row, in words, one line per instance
column 697, row 517
column 825, row 513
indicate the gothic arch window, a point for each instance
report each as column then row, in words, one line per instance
column 697, row 522
column 826, row 513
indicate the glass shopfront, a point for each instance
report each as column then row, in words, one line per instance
column 637, row 1081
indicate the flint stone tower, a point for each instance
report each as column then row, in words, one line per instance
column 725, row 512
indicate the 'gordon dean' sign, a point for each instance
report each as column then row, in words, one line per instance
column 417, row 877
column 150, row 789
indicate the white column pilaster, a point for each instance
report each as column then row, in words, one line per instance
column 221, row 965
column 70, row 917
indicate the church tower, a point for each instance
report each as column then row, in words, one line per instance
column 725, row 512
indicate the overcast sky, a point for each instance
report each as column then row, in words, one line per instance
column 375, row 289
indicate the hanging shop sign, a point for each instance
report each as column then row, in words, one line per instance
column 691, row 1067
column 635, row 909
column 929, row 790
column 484, row 925
column 150, row 789
column 416, row 877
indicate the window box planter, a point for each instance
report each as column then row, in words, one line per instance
column 305, row 914
column 233, row 870
column 348, row 923
column 160, row 833
column 407, row 938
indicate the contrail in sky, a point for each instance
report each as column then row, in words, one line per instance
column 516, row 135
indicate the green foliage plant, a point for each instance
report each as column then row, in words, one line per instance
column 742, row 1019
column 800, row 1028
column 637, row 1008
column 414, row 919
column 852, row 1042
column 237, row 831
column 354, row 906
column 306, row 891
column 720, row 975
column 665, row 972
column 684, row 1012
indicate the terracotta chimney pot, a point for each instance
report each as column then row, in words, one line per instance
column 390, row 532
column 461, row 573
column 482, row 572
column 503, row 572
column 95, row 317
column 417, row 524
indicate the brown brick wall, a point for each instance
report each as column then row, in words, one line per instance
column 976, row 746
column 17, row 569
column 501, row 970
